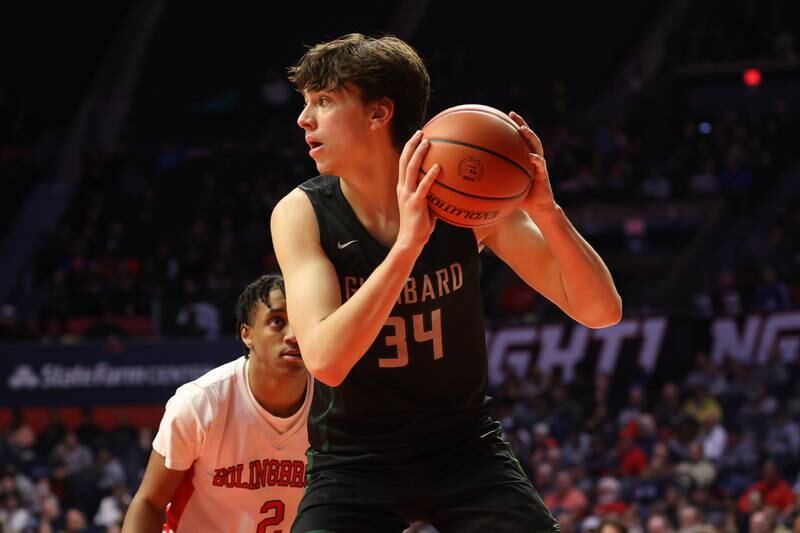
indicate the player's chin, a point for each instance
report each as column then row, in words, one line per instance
column 291, row 360
column 324, row 166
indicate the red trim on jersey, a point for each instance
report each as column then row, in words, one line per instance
column 179, row 500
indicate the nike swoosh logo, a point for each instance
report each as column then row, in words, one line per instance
column 341, row 246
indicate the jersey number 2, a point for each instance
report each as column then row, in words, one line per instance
column 273, row 520
column 399, row 340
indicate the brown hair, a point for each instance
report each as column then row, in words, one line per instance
column 379, row 66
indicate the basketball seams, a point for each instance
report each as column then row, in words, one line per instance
column 497, row 115
column 462, row 193
column 487, row 150
column 494, row 198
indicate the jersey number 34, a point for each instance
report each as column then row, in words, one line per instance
column 398, row 337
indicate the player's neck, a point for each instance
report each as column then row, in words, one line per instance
column 372, row 193
column 371, row 184
column 280, row 396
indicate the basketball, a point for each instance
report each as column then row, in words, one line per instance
column 485, row 166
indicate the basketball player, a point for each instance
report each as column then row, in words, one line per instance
column 387, row 307
column 230, row 453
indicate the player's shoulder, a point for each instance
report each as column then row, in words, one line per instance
column 305, row 194
column 213, row 383
column 289, row 204
column 295, row 215
column 322, row 184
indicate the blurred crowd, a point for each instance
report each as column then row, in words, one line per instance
column 718, row 453
column 761, row 30
column 69, row 479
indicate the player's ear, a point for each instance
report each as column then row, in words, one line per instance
column 381, row 112
column 244, row 334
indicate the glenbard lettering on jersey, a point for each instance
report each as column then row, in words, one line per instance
column 262, row 473
column 418, row 288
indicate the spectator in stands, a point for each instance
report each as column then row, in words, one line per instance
column 53, row 434
column 697, row 471
column 684, row 434
column 109, row 470
column 565, row 412
column 669, row 410
column 701, row 404
column 541, row 444
column 658, row 523
column 543, row 477
column 759, row 409
column 651, row 486
column 706, row 372
column 50, row 514
column 15, row 481
column 609, row 497
column 75, row 521
column 590, row 524
column 782, row 442
column 635, row 407
column 727, row 297
column 566, row 497
column 75, row 456
column 575, row 448
column 612, row 525
column 567, row 522
column 712, row 436
column 113, row 507
column 772, row 489
column 758, row 523
column 771, row 293
column 14, row 518
column 630, row 457
column 774, row 374
column 690, row 519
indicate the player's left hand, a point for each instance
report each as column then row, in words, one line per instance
column 540, row 198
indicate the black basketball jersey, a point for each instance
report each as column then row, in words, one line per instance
column 424, row 378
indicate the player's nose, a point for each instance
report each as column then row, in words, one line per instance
column 289, row 337
column 305, row 120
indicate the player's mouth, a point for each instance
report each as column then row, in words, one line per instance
column 292, row 353
column 314, row 146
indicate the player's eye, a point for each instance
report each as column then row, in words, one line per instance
column 277, row 321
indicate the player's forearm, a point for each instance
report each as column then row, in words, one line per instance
column 338, row 342
column 587, row 282
column 142, row 517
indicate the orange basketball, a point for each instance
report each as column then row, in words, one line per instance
column 486, row 170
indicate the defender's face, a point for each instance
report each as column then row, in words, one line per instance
column 336, row 124
column 270, row 338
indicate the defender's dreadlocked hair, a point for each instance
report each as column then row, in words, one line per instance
column 257, row 291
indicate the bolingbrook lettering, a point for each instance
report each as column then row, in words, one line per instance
column 262, row 473
column 466, row 214
column 420, row 288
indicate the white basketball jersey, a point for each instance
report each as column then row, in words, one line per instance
column 245, row 469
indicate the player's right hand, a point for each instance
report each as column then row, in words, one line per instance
column 416, row 219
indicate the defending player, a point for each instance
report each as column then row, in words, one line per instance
column 229, row 455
